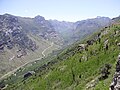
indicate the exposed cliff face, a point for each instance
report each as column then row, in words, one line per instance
column 43, row 24
column 12, row 35
column 115, row 85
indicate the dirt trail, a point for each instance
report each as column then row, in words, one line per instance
column 43, row 52
column 12, row 72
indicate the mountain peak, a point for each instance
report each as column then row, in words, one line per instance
column 38, row 17
column 6, row 14
column 98, row 17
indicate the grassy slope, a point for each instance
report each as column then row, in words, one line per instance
column 72, row 72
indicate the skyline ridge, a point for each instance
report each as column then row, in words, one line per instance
column 67, row 10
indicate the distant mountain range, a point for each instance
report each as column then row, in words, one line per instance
column 23, row 39
column 73, row 31
column 52, row 30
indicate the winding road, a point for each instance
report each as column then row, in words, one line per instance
column 43, row 55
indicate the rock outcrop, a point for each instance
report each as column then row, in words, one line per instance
column 28, row 74
column 12, row 35
column 115, row 85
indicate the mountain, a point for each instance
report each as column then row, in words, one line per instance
column 89, row 26
column 116, row 19
column 18, row 46
column 40, row 27
column 61, row 32
column 64, row 29
column 73, row 31
column 12, row 35
column 85, row 65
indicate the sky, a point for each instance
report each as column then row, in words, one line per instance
column 63, row 10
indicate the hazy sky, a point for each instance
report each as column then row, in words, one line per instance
column 68, row 10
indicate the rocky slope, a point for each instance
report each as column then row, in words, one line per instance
column 12, row 35
column 86, row 27
column 17, row 45
column 40, row 27
column 115, row 85
column 61, row 32
column 64, row 29
column 73, row 31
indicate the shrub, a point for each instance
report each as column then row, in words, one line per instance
column 104, row 71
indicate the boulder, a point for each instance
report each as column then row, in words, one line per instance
column 28, row 74
column 82, row 47
column 90, row 42
column 118, row 44
column 106, row 44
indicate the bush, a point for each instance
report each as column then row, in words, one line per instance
column 104, row 71
column 2, row 84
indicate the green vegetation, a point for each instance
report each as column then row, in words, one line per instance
column 73, row 68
